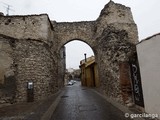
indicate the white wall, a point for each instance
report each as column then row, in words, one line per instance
column 149, row 61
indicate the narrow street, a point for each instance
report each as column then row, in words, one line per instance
column 81, row 103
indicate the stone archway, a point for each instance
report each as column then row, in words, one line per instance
column 61, row 60
column 38, row 41
column 112, row 37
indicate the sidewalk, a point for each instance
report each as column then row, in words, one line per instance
column 126, row 110
column 30, row 111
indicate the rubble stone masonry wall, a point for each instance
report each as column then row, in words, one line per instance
column 37, row 44
column 34, row 63
column 29, row 61
column 35, row 27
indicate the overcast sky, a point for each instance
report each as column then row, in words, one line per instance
column 145, row 13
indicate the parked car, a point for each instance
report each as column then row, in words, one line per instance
column 71, row 82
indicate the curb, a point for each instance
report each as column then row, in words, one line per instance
column 48, row 114
column 124, row 109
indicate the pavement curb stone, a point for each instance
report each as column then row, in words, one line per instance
column 48, row 114
column 119, row 106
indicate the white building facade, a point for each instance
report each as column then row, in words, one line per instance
column 148, row 51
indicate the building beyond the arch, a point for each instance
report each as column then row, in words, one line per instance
column 31, row 50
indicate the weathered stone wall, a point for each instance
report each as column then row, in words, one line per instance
column 68, row 31
column 32, row 56
column 118, row 16
column 61, row 67
column 27, row 61
column 26, row 27
column 113, row 48
column 38, row 46
column 6, row 60
column 112, row 37
column 7, row 78
column 33, row 61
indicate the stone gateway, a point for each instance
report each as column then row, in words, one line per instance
column 32, row 50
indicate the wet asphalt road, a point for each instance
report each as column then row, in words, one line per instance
column 81, row 103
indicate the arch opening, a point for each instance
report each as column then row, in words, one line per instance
column 80, row 63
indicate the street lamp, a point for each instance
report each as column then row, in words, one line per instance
column 85, row 57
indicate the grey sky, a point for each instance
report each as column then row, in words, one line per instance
column 145, row 13
column 75, row 53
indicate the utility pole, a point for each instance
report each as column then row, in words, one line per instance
column 8, row 8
